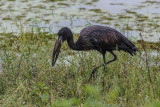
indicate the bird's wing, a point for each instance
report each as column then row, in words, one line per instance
column 98, row 37
column 104, row 38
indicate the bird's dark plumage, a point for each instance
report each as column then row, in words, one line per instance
column 96, row 37
column 104, row 38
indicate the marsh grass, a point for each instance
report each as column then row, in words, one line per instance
column 28, row 79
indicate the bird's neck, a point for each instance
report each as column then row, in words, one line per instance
column 72, row 44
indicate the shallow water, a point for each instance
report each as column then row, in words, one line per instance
column 129, row 17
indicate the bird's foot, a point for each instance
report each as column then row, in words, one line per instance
column 93, row 74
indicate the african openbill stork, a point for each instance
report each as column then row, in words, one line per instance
column 96, row 37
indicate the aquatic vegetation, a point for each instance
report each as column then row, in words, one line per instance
column 7, row 18
column 96, row 10
column 64, row 4
column 56, row 0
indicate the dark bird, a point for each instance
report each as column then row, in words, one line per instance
column 96, row 37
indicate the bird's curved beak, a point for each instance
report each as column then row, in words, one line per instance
column 56, row 49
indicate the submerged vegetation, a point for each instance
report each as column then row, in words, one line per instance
column 27, row 77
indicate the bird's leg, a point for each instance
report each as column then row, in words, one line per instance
column 115, row 57
column 93, row 72
column 95, row 69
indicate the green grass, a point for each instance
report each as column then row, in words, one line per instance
column 28, row 79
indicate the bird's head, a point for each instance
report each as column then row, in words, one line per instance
column 63, row 34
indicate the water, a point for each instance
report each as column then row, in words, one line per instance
column 129, row 17
column 138, row 6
